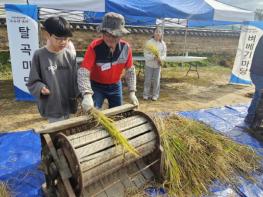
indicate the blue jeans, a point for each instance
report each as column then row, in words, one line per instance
column 111, row 92
column 258, row 82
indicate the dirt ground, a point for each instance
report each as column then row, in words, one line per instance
column 178, row 93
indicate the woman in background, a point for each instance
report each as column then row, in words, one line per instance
column 155, row 54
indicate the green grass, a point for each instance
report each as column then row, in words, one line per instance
column 5, row 66
column 222, row 60
column 5, row 71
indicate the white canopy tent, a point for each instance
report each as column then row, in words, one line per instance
column 223, row 12
column 187, row 9
column 191, row 9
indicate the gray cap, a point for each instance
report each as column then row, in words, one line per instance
column 113, row 23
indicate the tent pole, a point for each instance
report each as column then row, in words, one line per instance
column 185, row 52
column 163, row 24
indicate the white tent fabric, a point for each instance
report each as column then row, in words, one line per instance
column 223, row 12
column 2, row 2
column 77, row 5
column 72, row 16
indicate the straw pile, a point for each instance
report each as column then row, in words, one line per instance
column 4, row 190
column 195, row 156
column 108, row 124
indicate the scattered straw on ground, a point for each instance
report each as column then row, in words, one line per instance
column 4, row 190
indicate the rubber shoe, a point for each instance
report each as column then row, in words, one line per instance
column 154, row 98
column 145, row 98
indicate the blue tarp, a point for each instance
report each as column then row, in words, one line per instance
column 200, row 13
column 195, row 9
column 20, row 153
column 96, row 17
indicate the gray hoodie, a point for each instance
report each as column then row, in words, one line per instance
column 57, row 72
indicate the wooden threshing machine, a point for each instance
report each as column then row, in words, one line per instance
column 79, row 157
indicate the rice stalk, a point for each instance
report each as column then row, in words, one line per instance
column 153, row 50
column 195, row 156
column 4, row 190
column 108, row 124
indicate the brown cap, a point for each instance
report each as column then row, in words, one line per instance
column 113, row 23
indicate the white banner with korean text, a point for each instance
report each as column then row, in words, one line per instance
column 249, row 37
column 22, row 29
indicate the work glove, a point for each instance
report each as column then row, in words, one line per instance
column 87, row 102
column 133, row 98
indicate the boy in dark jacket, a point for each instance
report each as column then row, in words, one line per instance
column 53, row 76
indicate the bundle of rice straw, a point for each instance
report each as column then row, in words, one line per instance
column 109, row 126
column 195, row 156
column 153, row 50
column 4, row 190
